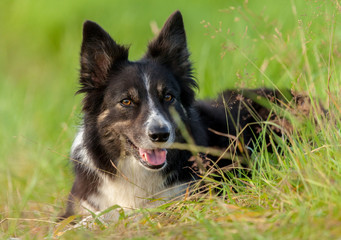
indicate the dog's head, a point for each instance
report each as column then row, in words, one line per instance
column 129, row 102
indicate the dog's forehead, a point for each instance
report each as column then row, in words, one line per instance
column 158, row 77
column 141, row 75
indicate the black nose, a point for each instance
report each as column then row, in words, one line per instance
column 158, row 134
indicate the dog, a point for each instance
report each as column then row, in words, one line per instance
column 123, row 153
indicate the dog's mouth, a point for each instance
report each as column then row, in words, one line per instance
column 150, row 158
column 153, row 158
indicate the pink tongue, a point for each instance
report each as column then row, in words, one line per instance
column 153, row 157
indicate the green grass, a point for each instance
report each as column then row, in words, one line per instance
column 295, row 194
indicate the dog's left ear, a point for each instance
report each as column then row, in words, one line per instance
column 99, row 54
column 169, row 48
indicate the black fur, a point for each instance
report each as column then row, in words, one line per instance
column 117, row 105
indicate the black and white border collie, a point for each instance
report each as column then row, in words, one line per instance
column 123, row 152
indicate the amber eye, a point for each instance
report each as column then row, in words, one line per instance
column 126, row 102
column 168, row 98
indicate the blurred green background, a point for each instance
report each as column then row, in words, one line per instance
column 233, row 44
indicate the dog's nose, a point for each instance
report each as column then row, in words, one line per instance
column 158, row 134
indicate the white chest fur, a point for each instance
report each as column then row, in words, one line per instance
column 133, row 187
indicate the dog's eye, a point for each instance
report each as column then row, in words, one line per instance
column 126, row 102
column 168, row 98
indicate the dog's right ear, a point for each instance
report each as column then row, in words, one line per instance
column 169, row 48
column 99, row 53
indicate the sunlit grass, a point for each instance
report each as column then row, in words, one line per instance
column 291, row 193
